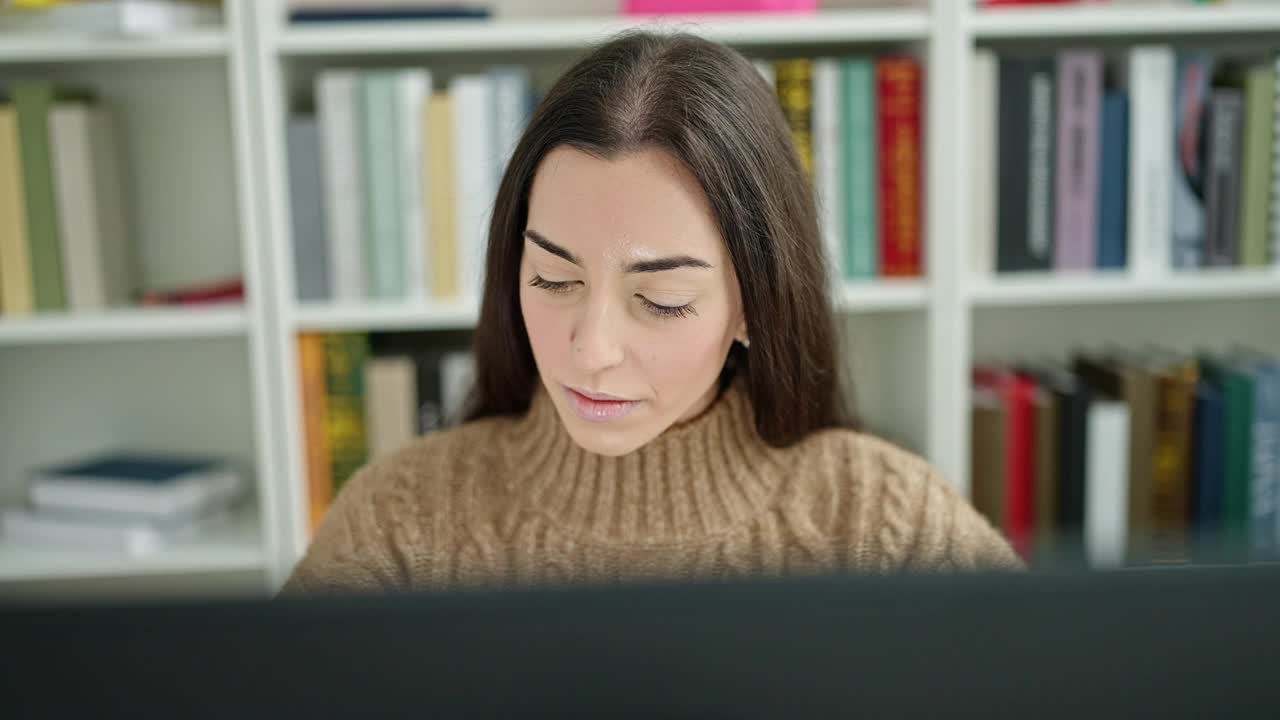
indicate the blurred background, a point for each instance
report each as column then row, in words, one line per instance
column 239, row 250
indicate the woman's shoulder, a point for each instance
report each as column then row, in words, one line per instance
column 899, row 501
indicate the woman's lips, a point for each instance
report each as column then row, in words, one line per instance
column 596, row 407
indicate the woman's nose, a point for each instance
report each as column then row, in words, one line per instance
column 597, row 341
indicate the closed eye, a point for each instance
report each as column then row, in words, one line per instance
column 667, row 311
column 554, row 286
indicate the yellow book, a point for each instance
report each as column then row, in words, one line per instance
column 444, row 238
column 315, row 416
column 17, row 292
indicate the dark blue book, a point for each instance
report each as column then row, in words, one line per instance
column 144, row 470
column 1113, row 186
column 1207, row 464
column 387, row 14
column 137, row 484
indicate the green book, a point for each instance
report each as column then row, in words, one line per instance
column 379, row 122
column 34, row 101
column 344, row 359
column 1238, row 400
column 1255, row 208
column 861, row 150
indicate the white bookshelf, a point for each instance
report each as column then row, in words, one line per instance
column 911, row 343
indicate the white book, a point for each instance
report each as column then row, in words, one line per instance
column 132, row 17
column 510, row 111
column 131, row 537
column 415, row 86
column 827, row 151
column 337, row 96
column 1275, row 177
column 986, row 142
column 457, row 376
column 473, row 167
column 142, row 486
column 391, row 403
column 1151, row 71
column 765, row 68
column 91, row 215
column 1106, row 493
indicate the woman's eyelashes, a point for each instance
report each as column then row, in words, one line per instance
column 558, row 287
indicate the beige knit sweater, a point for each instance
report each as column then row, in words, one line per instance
column 514, row 501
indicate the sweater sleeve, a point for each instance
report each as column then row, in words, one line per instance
column 954, row 537
column 353, row 550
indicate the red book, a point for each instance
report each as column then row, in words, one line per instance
column 898, row 102
column 1017, row 393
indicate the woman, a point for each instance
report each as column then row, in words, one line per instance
column 657, row 392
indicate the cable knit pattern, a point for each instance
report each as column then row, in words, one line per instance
column 514, row 501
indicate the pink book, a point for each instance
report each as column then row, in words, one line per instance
column 679, row 7
column 1079, row 88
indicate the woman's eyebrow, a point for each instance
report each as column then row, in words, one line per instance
column 536, row 238
column 640, row 266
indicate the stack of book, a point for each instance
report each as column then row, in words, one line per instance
column 366, row 396
column 63, row 228
column 125, row 503
column 1155, row 161
column 128, row 17
column 856, row 123
column 1126, row 458
column 392, row 183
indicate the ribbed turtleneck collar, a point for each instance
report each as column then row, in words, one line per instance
column 698, row 479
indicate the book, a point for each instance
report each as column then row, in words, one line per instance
column 133, row 537
column 137, row 485
column 1045, row 409
column 457, row 378
column 344, row 358
column 794, row 79
column 390, row 403
column 34, row 101
column 1222, row 193
column 443, row 213
column 1194, row 71
column 1150, row 79
column 986, row 141
column 1106, row 488
column 860, row 162
column 427, row 351
column 1207, row 464
column 1113, row 183
column 828, row 139
column 512, row 90
column 1264, row 480
column 1237, row 391
column 307, row 209
column 1275, row 177
column 413, row 88
column 97, row 263
column 17, row 296
column 1073, row 399
column 337, row 93
column 132, row 17
column 476, row 187
column 1259, row 138
column 384, row 239
column 1079, row 87
column 221, row 291
column 1025, row 212
column 315, row 418
column 363, row 13
column 1171, row 468
column 1016, row 392
column 898, row 102
column 987, row 471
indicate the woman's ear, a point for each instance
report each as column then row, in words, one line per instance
column 741, row 333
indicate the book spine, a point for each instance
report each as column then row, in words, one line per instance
column 1190, row 111
column 1264, row 491
column 827, row 136
column 985, row 147
column 1208, row 448
column 17, row 297
column 1171, row 469
column 315, row 422
column 1046, row 472
column 510, row 100
column 987, row 464
column 34, row 102
column 1260, row 101
column 1041, row 159
column 77, row 207
column 1025, row 206
column 1073, row 445
column 860, row 152
column 794, row 80
column 390, row 404
column 1021, row 463
column 345, row 356
column 898, row 83
column 473, row 167
column 443, row 213
column 117, row 249
column 307, row 211
column 337, row 95
column 1079, row 114
column 411, row 103
column 1275, row 173
column 384, row 237
column 1106, row 492
column 1151, row 135
column 1222, row 203
column 1114, row 183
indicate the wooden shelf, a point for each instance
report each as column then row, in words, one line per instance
column 572, row 33
column 1102, row 21
column 1069, row 290
column 126, row 324
column 48, row 47
column 233, row 547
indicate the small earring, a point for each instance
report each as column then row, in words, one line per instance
column 746, row 342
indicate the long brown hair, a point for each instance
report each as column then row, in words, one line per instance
column 706, row 105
